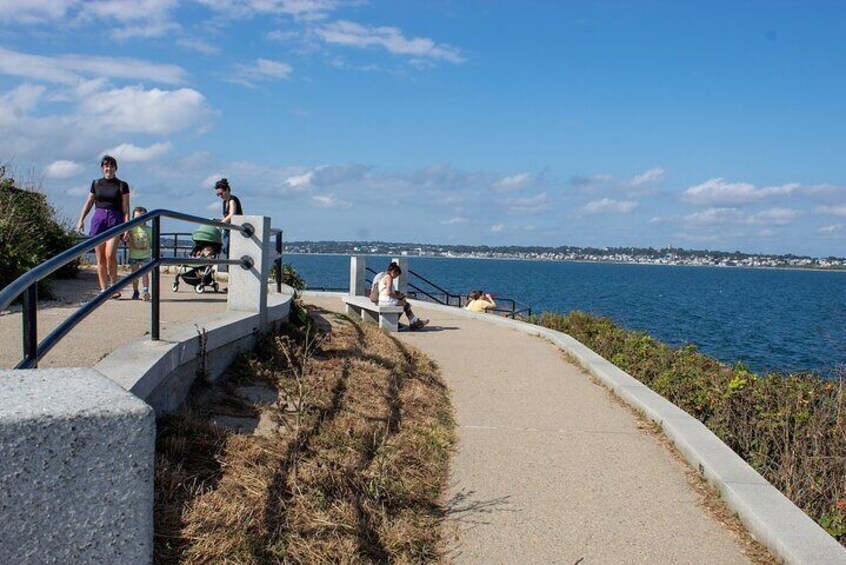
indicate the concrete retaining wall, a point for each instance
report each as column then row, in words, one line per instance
column 162, row 372
column 76, row 469
column 790, row 534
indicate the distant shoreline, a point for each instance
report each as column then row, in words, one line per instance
column 785, row 268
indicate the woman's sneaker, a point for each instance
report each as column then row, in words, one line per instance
column 135, row 295
column 419, row 324
column 146, row 296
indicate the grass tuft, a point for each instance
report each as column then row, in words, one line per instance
column 353, row 470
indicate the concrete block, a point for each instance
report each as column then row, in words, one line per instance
column 402, row 284
column 247, row 288
column 76, row 469
column 389, row 322
column 358, row 266
column 707, row 453
column 777, row 523
column 369, row 316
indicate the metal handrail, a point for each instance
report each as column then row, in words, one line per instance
column 512, row 312
column 27, row 284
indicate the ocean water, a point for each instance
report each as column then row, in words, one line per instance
column 771, row 320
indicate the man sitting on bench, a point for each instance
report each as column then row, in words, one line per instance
column 384, row 293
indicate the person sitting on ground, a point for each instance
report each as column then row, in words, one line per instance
column 384, row 293
column 140, row 252
column 480, row 301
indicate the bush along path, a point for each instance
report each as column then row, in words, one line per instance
column 325, row 445
column 790, row 428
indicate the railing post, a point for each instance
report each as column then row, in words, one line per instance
column 357, row 283
column 279, row 262
column 30, row 325
column 155, row 303
column 248, row 287
column 403, row 279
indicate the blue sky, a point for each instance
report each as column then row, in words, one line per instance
column 695, row 124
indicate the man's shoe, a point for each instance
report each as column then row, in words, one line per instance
column 418, row 324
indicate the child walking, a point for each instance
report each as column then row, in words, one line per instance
column 140, row 251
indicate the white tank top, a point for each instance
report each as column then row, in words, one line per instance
column 384, row 297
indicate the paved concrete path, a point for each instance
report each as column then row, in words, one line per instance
column 550, row 469
column 114, row 324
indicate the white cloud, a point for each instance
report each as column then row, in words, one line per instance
column 308, row 10
column 512, row 183
column 79, row 190
column 713, row 216
column 353, row 34
column 155, row 111
column 717, row 191
column 63, row 169
column 70, row 69
column 528, row 205
column 453, row 221
column 330, row 201
column 18, row 102
column 652, row 175
column 210, row 180
column 128, row 10
column 774, row 217
column 300, row 181
column 262, row 69
column 609, row 206
column 589, row 180
column 197, row 45
column 836, row 210
column 733, row 216
column 832, row 229
column 132, row 153
column 497, row 228
column 33, row 12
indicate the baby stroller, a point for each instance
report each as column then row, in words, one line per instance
column 207, row 244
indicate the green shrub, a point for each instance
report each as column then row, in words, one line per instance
column 790, row 428
column 30, row 233
column 290, row 276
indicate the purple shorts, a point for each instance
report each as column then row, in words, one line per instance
column 104, row 219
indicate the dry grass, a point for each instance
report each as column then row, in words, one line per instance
column 354, row 471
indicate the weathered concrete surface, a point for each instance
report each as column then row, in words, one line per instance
column 115, row 323
column 162, row 372
column 76, row 469
column 549, row 468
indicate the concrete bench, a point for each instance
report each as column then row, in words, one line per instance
column 386, row 316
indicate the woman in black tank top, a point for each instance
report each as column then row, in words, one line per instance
column 231, row 203
column 110, row 196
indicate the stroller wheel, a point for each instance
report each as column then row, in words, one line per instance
column 175, row 286
column 200, row 289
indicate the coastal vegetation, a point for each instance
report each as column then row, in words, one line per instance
column 347, row 465
column 791, row 428
column 30, row 232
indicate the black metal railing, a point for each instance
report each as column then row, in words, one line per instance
column 507, row 307
column 27, row 284
column 173, row 244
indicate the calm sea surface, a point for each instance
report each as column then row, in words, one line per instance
column 783, row 320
